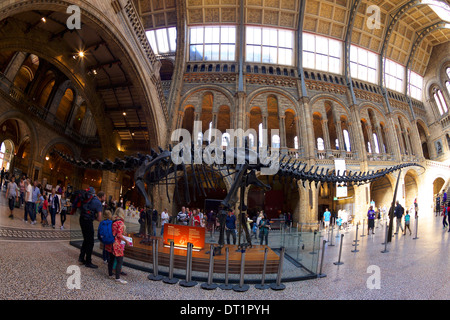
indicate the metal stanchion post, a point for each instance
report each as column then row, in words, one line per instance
column 155, row 276
column 356, row 240
column 170, row 279
column 331, row 242
column 417, row 227
column 226, row 286
column 188, row 282
column 386, row 240
column 263, row 286
column 338, row 263
column 314, row 243
column 209, row 285
column 364, row 222
column 241, row 287
column 278, row 285
column 321, row 275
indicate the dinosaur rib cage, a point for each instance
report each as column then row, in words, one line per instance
column 158, row 167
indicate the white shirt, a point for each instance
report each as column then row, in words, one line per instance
column 29, row 193
column 164, row 218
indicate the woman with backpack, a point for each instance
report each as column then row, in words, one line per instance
column 116, row 249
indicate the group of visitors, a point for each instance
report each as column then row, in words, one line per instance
column 195, row 217
column 36, row 200
column 443, row 209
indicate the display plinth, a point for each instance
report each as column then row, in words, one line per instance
column 254, row 258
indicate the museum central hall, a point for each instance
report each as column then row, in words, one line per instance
column 350, row 99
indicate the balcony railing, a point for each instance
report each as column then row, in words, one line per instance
column 22, row 102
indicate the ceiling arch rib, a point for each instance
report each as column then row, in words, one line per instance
column 106, row 59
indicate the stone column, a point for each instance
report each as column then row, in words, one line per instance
column 371, row 140
column 326, row 136
column 380, row 139
column 357, row 133
column 14, row 65
column 282, row 124
column 340, row 138
column 110, row 184
column 307, row 130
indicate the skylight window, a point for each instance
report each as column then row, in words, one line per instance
column 269, row 45
column 163, row 40
column 440, row 8
column 215, row 43
column 415, row 85
column 363, row 64
column 322, row 53
column 394, row 75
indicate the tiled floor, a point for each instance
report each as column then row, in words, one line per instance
column 34, row 262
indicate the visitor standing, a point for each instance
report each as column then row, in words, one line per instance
column 28, row 201
column 182, row 217
column 416, row 208
column 91, row 209
column 35, row 198
column 65, row 203
column 445, row 214
column 371, row 220
column 326, row 218
column 164, row 220
column 230, row 227
column 2, row 176
column 44, row 212
column 12, row 194
column 264, row 227
column 154, row 221
column 407, row 222
column 398, row 213
column 22, row 191
column 116, row 249
column 438, row 205
column 54, row 206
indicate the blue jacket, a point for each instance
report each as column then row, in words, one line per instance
column 230, row 223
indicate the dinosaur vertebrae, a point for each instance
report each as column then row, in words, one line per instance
column 289, row 168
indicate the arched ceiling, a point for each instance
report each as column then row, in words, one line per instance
column 106, row 66
column 329, row 18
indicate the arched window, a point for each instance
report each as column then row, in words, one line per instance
column 375, row 142
column 225, row 139
column 276, row 141
column 296, row 142
column 369, row 147
column 347, row 141
column 440, row 101
column 251, row 140
column 320, row 144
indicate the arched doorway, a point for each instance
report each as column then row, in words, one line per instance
column 437, row 185
column 411, row 188
column 7, row 150
column 56, row 171
column 381, row 192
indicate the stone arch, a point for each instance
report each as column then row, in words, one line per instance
column 281, row 95
column 131, row 60
column 17, row 115
column 191, row 96
column 411, row 187
column 57, row 141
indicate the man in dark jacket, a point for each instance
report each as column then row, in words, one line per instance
column 398, row 212
column 154, row 221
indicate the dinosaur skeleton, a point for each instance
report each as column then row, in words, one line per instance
column 160, row 168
